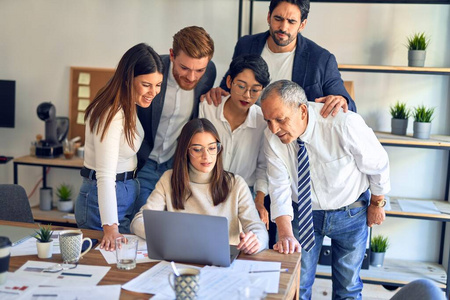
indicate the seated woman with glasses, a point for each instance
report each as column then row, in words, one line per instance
column 198, row 184
column 241, row 125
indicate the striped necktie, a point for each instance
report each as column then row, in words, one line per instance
column 305, row 221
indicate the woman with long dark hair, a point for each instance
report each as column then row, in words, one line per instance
column 108, row 195
column 198, row 184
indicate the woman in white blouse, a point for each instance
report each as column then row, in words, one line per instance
column 198, row 184
column 108, row 195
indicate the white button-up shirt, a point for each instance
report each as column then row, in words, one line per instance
column 345, row 159
column 243, row 151
column 177, row 111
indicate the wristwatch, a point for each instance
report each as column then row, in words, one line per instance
column 379, row 203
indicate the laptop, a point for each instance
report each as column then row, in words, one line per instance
column 15, row 234
column 188, row 238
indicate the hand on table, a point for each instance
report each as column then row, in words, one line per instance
column 110, row 234
column 287, row 245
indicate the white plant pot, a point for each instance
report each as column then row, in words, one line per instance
column 399, row 126
column 44, row 250
column 416, row 58
column 421, row 130
column 65, row 206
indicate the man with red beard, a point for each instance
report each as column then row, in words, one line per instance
column 188, row 73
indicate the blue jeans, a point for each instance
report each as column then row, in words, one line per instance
column 87, row 213
column 149, row 175
column 348, row 232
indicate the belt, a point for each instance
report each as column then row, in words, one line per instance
column 356, row 204
column 90, row 174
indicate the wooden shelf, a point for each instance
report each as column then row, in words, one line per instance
column 396, row 272
column 52, row 216
column 441, row 205
column 435, row 141
column 75, row 162
column 394, row 69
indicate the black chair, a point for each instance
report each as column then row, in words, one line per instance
column 14, row 204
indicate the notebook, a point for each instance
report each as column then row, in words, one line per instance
column 189, row 238
column 15, row 234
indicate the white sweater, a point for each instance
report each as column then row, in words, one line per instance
column 109, row 157
column 238, row 208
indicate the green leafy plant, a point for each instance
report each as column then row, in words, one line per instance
column 399, row 111
column 418, row 41
column 379, row 243
column 44, row 234
column 64, row 192
column 423, row 114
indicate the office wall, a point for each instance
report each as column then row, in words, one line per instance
column 41, row 39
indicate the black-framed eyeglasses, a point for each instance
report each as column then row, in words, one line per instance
column 242, row 89
column 198, row 150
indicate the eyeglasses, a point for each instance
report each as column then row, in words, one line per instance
column 212, row 149
column 242, row 89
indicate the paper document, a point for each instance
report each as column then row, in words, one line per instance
column 84, row 92
column 83, row 104
column 82, row 275
column 154, row 280
column 417, row 206
column 84, row 78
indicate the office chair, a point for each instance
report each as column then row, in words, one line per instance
column 14, row 204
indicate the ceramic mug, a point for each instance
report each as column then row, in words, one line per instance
column 70, row 242
column 186, row 285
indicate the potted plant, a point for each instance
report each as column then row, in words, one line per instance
column 400, row 115
column 422, row 121
column 417, row 45
column 378, row 246
column 64, row 193
column 44, row 241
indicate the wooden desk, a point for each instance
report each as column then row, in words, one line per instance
column 52, row 216
column 59, row 162
column 289, row 282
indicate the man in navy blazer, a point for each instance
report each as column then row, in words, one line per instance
column 188, row 73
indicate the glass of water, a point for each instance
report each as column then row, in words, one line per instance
column 126, row 251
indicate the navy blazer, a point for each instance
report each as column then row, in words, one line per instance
column 315, row 68
column 150, row 116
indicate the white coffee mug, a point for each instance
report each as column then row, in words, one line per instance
column 70, row 243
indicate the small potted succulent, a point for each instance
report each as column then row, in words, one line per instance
column 44, row 241
column 422, row 121
column 64, row 193
column 417, row 45
column 378, row 246
column 400, row 115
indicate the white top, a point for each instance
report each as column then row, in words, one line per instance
column 345, row 159
column 176, row 112
column 109, row 157
column 243, row 151
column 280, row 64
column 238, row 208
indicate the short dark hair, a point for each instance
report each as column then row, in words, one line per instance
column 303, row 5
column 252, row 62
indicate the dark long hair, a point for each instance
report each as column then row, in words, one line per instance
column 119, row 93
column 221, row 181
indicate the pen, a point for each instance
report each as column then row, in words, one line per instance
column 264, row 271
column 76, row 274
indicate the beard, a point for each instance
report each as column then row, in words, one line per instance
column 183, row 82
column 282, row 43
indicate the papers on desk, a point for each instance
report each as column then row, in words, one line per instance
column 142, row 254
column 29, row 282
column 82, row 275
column 28, row 247
column 22, row 287
column 215, row 282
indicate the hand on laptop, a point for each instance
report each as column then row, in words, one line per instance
column 110, row 233
column 249, row 243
